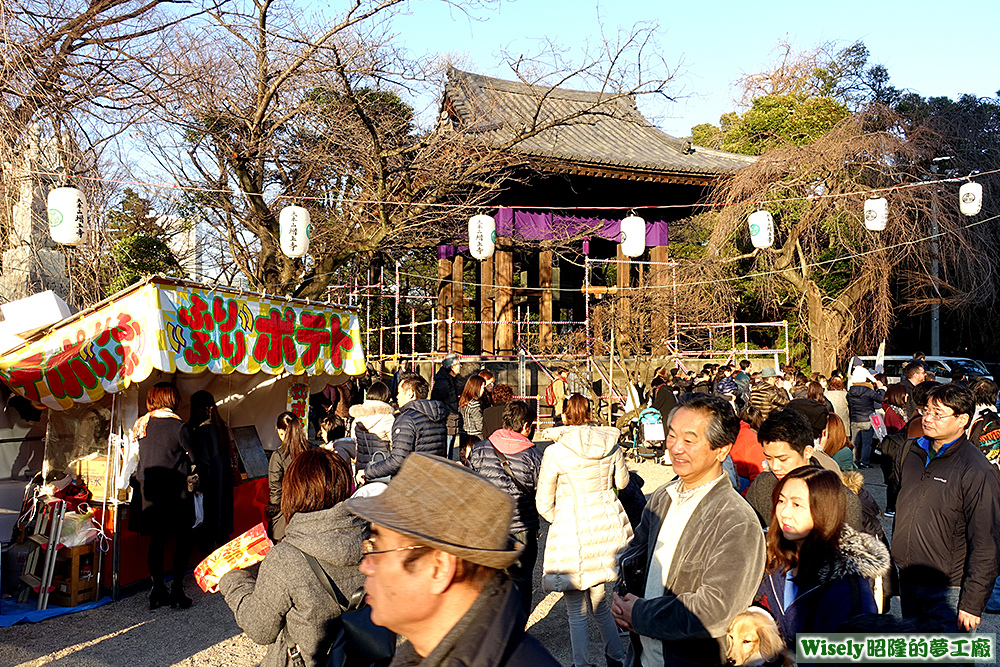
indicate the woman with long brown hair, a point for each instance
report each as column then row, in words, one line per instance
column 293, row 443
column 835, row 443
column 472, row 413
column 589, row 527
column 814, row 559
column 284, row 604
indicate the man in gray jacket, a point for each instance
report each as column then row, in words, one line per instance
column 698, row 551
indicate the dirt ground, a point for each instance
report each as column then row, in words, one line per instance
column 127, row 633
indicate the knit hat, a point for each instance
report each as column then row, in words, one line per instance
column 860, row 374
column 445, row 506
column 768, row 372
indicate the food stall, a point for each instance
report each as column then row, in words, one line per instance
column 259, row 355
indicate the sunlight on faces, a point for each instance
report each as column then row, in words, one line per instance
column 691, row 455
column 941, row 423
column 792, row 510
column 394, row 593
column 404, row 396
column 782, row 459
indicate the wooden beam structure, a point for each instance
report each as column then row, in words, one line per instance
column 545, row 309
column 444, row 300
column 486, row 279
column 504, row 303
column 457, row 304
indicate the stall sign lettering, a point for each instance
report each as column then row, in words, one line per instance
column 298, row 399
column 232, row 345
column 83, row 361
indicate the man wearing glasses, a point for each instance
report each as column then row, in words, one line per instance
column 435, row 574
column 945, row 537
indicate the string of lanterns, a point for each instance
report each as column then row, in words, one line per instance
column 876, row 214
column 68, row 218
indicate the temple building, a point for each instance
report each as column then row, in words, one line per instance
column 570, row 186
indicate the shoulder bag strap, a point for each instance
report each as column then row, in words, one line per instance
column 326, row 582
column 510, row 473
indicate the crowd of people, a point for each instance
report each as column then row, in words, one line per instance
column 435, row 505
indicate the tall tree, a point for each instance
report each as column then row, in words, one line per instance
column 273, row 109
column 824, row 263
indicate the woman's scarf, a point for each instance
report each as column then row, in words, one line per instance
column 139, row 428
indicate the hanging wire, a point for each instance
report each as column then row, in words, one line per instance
column 706, row 205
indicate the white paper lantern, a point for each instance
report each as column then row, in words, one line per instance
column 633, row 236
column 67, row 215
column 876, row 213
column 294, row 225
column 482, row 236
column 970, row 198
column 761, row 229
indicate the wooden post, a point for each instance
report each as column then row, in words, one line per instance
column 457, row 302
column 624, row 271
column 661, row 275
column 545, row 312
column 486, row 305
column 504, row 304
column 444, row 301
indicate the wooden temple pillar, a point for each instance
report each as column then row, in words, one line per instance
column 545, row 309
column 486, row 329
column 444, row 300
column 457, row 303
column 624, row 271
column 660, row 274
column 504, row 298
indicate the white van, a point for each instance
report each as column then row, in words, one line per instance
column 941, row 367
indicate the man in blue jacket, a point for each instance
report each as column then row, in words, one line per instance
column 420, row 427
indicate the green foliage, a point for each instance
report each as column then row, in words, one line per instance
column 689, row 237
column 707, row 135
column 782, row 120
column 140, row 256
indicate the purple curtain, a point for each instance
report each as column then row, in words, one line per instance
column 543, row 226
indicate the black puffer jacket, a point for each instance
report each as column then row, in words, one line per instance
column 524, row 465
column 420, row 427
column 863, row 401
column 947, row 516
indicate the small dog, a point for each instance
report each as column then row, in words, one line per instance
column 753, row 640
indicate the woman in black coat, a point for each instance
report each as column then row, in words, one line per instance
column 213, row 455
column 165, row 464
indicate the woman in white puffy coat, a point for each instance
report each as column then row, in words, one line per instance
column 589, row 531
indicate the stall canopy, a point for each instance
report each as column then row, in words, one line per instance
column 175, row 326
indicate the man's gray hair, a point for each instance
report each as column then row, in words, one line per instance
column 723, row 425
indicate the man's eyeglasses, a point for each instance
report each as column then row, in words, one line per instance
column 937, row 414
column 368, row 548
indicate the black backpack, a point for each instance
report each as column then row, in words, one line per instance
column 893, row 443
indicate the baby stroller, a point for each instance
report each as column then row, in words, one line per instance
column 649, row 440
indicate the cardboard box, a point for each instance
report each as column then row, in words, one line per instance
column 93, row 473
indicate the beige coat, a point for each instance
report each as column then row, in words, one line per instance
column 575, row 494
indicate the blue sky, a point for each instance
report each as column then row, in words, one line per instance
column 933, row 49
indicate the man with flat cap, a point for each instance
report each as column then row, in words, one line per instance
column 436, row 575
